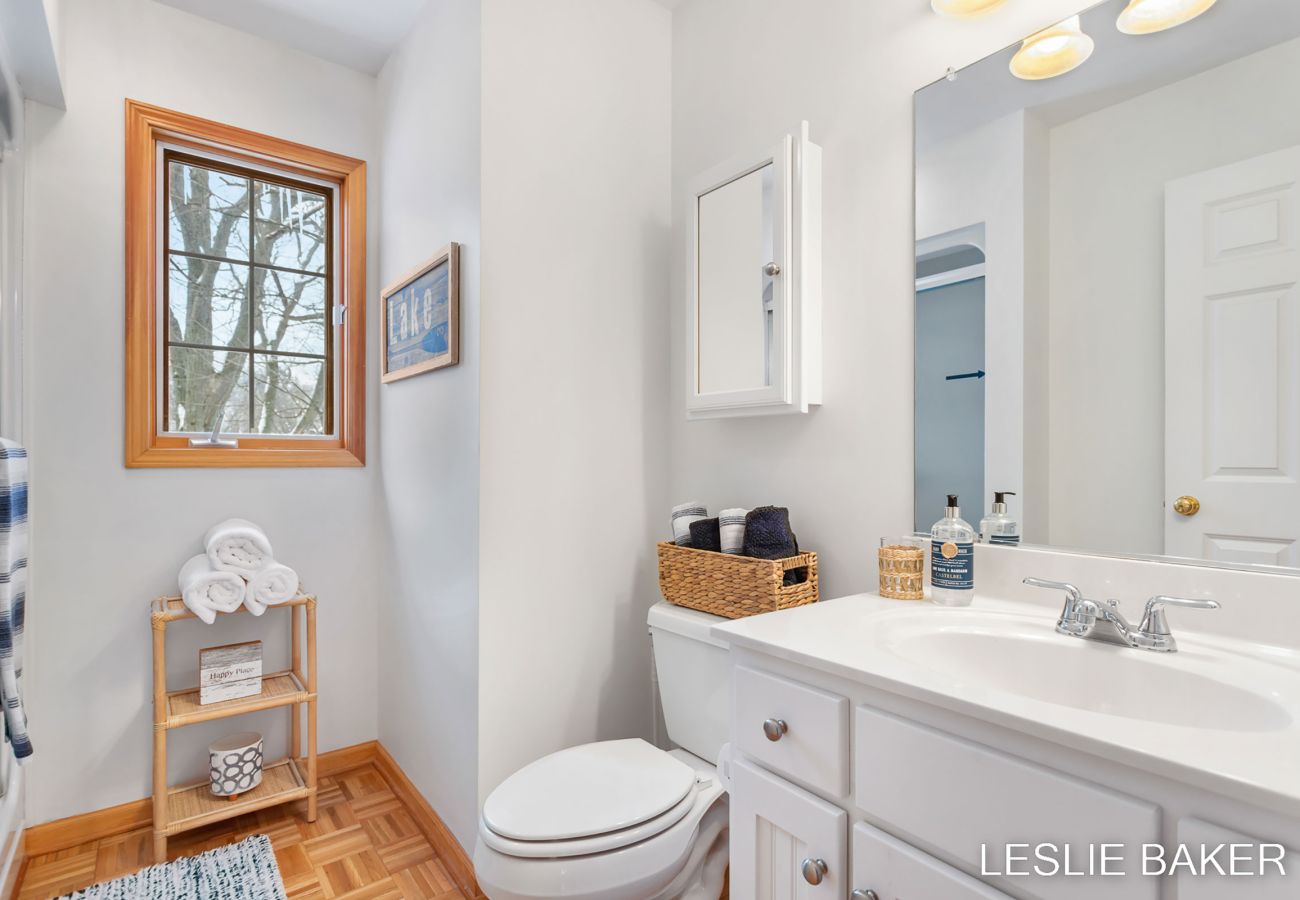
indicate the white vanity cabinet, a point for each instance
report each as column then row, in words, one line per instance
column 753, row 298
column 845, row 791
column 892, row 870
column 785, row 843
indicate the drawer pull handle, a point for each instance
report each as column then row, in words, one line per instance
column 814, row 870
column 864, row 895
column 775, row 728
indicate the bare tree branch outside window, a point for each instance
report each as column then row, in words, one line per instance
column 248, row 303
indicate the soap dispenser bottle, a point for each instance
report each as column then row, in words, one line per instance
column 952, row 558
column 998, row 527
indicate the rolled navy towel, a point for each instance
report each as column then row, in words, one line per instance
column 768, row 535
column 683, row 515
column 705, row 535
column 731, row 527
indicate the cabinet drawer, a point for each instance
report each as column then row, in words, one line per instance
column 813, row 749
column 775, row 828
column 897, row 871
column 971, row 801
column 1195, row 834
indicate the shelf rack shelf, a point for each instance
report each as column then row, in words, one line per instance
column 179, row 809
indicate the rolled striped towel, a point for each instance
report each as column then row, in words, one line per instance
column 13, row 593
column 239, row 546
column 272, row 585
column 683, row 515
column 731, row 525
column 206, row 591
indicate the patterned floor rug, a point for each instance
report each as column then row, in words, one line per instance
column 243, row 871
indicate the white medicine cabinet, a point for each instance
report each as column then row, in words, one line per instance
column 754, row 296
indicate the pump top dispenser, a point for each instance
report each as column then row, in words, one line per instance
column 952, row 558
column 998, row 527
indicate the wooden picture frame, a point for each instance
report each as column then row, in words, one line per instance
column 417, row 337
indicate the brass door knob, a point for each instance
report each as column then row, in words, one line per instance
column 1187, row 506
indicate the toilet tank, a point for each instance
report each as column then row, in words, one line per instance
column 694, row 677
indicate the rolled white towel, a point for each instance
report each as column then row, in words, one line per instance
column 239, row 546
column 206, row 591
column 731, row 528
column 683, row 515
column 271, row 585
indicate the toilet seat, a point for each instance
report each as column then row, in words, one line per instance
column 588, row 799
column 595, row 844
column 645, row 868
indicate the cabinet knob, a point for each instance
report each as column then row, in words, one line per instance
column 864, row 895
column 772, row 269
column 814, row 870
column 774, row 728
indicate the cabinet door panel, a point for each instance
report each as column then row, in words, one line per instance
column 897, row 871
column 971, row 802
column 775, row 827
column 1195, row 834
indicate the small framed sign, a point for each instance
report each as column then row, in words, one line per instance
column 230, row 672
column 421, row 313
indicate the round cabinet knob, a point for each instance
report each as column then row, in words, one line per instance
column 864, row 895
column 772, row 269
column 814, row 870
column 774, row 728
column 1187, row 506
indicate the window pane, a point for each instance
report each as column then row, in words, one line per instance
column 290, row 227
column 208, row 211
column 290, row 314
column 288, row 395
column 201, row 384
column 207, row 302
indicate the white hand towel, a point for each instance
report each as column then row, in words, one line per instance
column 239, row 546
column 731, row 527
column 270, row 586
column 207, row 592
column 683, row 515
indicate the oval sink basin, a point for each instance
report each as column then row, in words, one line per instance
column 1203, row 688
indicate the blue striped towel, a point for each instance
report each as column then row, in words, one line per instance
column 13, row 591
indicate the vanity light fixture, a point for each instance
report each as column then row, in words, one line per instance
column 965, row 9
column 1150, row 16
column 1052, row 51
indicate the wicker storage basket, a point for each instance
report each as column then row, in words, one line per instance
column 733, row 586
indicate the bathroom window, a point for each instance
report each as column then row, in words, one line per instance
column 245, row 298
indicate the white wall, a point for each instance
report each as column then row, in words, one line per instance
column 106, row 539
column 574, row 376
column 850, row 68
column 1108, row 173
column 428, row 460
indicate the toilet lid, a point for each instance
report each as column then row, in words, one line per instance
column 589, row 790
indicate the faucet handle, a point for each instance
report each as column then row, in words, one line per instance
column 1071, row 591
column 1153, row 617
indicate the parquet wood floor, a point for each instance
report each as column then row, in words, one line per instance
column 364, row 845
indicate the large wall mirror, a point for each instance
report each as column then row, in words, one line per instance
column 1107, row 320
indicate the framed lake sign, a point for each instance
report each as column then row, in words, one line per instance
column 422, row 317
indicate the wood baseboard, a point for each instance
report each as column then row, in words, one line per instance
column 73, row 831
column 435, row 830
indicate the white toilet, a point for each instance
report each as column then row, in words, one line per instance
column 623, row 820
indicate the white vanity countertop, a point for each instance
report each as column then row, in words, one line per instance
column 1220, row 714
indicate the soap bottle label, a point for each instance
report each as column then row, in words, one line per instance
column 1004, row 539
column 952, row 565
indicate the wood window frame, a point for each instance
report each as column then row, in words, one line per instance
column 147, row 446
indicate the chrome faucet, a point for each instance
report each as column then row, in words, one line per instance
column 1084, row 618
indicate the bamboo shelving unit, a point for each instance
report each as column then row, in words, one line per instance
column 178, row 809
